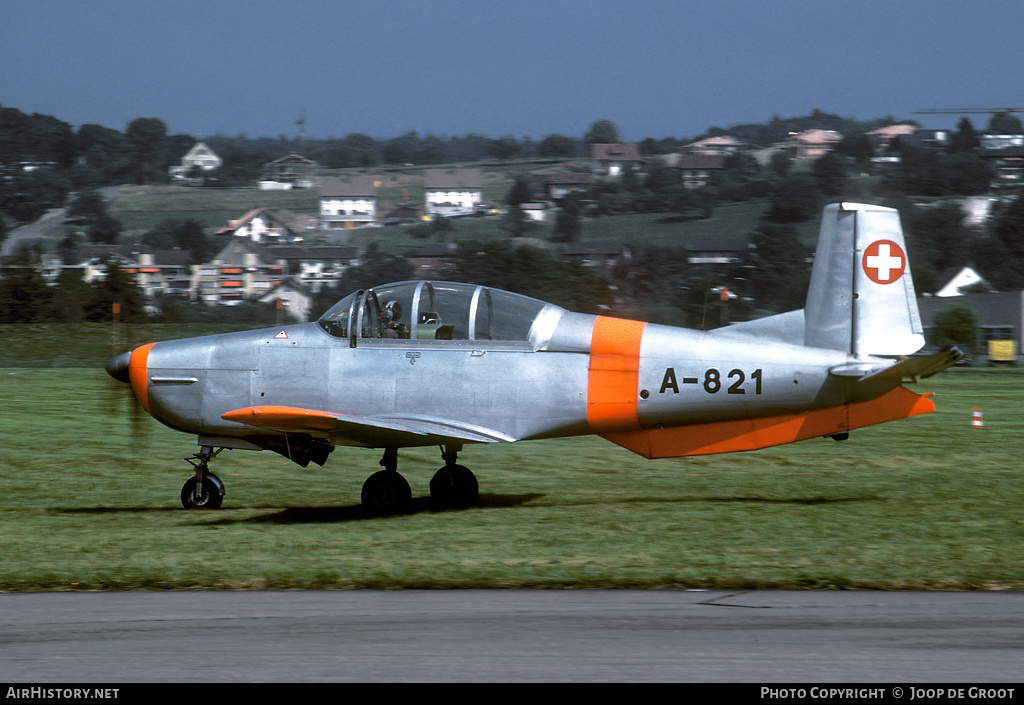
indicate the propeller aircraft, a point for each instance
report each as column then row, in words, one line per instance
column 437, row 363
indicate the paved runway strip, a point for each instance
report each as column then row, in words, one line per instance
column 512, row 636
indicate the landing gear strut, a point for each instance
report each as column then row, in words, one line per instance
column 385, row 491
column 453, row 486
column 205, row 490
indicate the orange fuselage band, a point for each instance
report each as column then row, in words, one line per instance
column 613, row 378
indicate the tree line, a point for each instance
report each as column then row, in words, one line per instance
column 43, row 158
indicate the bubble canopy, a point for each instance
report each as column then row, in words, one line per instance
column 439, row 311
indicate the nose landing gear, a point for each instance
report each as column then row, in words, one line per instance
column 205, row 490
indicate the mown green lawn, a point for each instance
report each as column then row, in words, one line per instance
column 143, row 208
column 90, row 501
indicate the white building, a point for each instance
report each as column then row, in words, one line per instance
column 453, row 191
column 263, row 225
column 347, row 203
column 200, row 158
column 953, row 281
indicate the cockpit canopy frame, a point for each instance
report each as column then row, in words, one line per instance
column 441, row 313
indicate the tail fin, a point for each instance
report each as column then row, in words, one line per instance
column 861, row 297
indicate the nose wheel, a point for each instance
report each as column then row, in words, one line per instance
column 205, row 490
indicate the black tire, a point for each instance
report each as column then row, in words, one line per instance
column 212, row 495
column 386, row 492
column 454, row 486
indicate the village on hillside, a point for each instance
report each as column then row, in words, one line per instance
column 287, row 258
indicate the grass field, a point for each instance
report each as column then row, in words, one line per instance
column 658, row 229
column 90, row 501
column 143, row 208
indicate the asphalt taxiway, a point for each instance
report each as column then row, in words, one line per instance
column 512, row 636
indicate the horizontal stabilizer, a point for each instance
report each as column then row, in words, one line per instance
column 373, row 430
column 754, row 434
column 910, row 368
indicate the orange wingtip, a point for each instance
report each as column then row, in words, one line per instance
column 753, row 434
column 283, row 417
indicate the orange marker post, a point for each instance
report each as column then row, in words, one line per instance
column 976, row 418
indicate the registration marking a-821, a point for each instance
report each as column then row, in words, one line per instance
column 713, row 380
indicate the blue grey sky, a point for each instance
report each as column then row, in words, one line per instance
column 525, row 68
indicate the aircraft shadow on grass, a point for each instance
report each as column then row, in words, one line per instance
column 423, row 505
column 359, row 512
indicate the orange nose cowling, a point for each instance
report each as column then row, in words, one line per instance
column 138, row 369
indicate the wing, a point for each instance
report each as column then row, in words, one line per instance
column 377, row 431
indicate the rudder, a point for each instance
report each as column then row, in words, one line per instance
column 861, row 296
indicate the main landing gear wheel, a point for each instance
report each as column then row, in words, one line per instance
column 453, row 486
column 385, row 491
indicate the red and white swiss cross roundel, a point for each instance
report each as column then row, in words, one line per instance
column 884, row 261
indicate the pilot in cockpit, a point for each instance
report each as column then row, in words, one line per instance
column 391, row 326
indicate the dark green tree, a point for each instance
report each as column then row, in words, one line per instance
column 70, row 296
column 376, row 267
column 567, row 221
column 650, row 280
column 1001, row 259
column 661, row 178
column 87, row 205
column 780, row 163
column 515, row 221
column 188, row 235
column 503, row 148
column 829, row 171
column 520, row 192
column 106, row 154
column 956, row 325
column 26, row 196
column 557, row 146
column 533, row 272
column 794, row 199
column 117, row 286
column 777, row 267
column 1004, row 123
column 147, row 138
column 965, row 139
column 602, row 132
column 858, row 148
column 24, row 295
column 936, row 240
column 104, row 230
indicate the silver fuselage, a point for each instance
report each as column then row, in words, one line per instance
column 682, row 377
